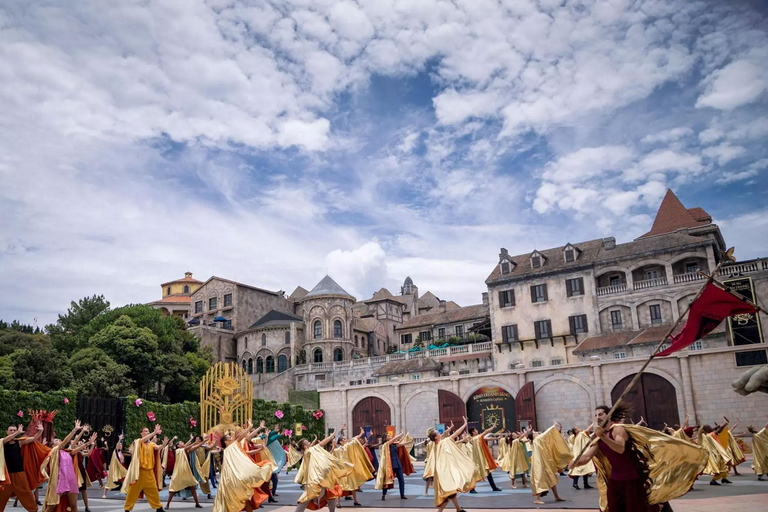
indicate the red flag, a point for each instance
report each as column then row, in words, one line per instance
column 706, row 313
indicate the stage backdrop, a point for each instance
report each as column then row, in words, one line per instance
column 491, row 404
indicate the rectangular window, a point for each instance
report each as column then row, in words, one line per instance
column 751, row 358
column 227, row 324
column 574, row 287
column 425, row 335
column 696, row 345
column 405, row 338
column 415, row 376
column 619, row 355
column 509, row 333
column 614, row 280
column 569, row 255
column 651, row 274
column 460, row 331
column 227, row 300
column 505, row 267
column 213, row 303
column 536, row 262
column 441, row 332
column 543, row 329
column 199, row 306
column 655, row 314
column 536, row 364
column 556, row 362
column 616, row 318
column 692, row 268
column 578, row 324
column 539, row 293
column 507, row 298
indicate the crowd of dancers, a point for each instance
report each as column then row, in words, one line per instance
column 637, row 468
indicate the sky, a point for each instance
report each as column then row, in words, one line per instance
column 272, row 142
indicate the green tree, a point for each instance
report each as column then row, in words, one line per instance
column 65, row 333
column 132, row 346
column 6, row 373
column 10, row 341
column 39, row 370
column 96, row 374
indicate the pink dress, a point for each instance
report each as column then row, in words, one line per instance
column 67, row 478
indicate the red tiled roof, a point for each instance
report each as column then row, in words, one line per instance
column 173, row 299
column 651, row 334
column 183, row 280
column 603, row 341
column 672, row 215
column 476, row 312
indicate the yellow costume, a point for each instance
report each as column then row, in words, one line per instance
column 680, row 434
column 385, row 479
column 673, row 465
column 719, row 458
column 239, row 476
column 51, row 498
column 550, row 455
column 320, row 470
column 182, row 476
column 429, row 462
column 454, row 470
column 760, row 450
column 578, row 443
column 115, row 473
column 293, row 457
column 143, row 475
column 737, row 456
column 362, row 470
column 512, row 458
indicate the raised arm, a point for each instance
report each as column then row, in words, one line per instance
column 38, row 433
column 69, row 437
column 154, row 432
column 488, row 430
column 361, row 435
column 85, row 446
column 326, row 440
column 619, row 441
column 459, row 430
column 685, row 423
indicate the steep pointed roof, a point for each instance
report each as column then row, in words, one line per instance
column 382, row 294
column 327, row 286
column 298, row 294
column 672, row 215
column 275, row 319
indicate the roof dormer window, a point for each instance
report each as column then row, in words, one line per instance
column 505, row 267
column 537, row 259
column 570, row 253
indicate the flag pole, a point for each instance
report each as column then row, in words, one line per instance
column 710, row 278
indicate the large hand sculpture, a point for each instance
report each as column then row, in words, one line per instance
column 754, row 379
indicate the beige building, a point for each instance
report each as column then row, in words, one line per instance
column 176, row 296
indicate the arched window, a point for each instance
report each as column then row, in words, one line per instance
column 318, row 329
column 357, row 343
column 270, row 364
column 263, row 339
column 250, row 366
column 338, row 354
column 362, row 341
column 259, row 365
column 168, row 291
column 245, row 367
column 287, row 337
column 337, row 329
column 317, row 355
column 282, row 363
column 186, row 288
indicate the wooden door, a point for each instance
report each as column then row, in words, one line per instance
column 371, row 412
column 653, row 398
column 452, row 408
column 525, row 406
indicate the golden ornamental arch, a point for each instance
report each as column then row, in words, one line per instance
column 226, row 398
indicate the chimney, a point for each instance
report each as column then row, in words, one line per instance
column 441, row 306
column 485, row 298
column 503, row 254
column 609, row 243
column 187, row 274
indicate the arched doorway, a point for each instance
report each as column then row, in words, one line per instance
column 491, row 404
column 452, row 408
column 653, row 398
column 371, row 412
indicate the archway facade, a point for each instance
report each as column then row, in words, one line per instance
column 372, row 412
column 653, row 398
column 452, row 408
column 489, row 405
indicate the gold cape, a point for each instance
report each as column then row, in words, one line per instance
column 294, row 456
column 115, row 473
column 454, row 470
column 384, row 477
column 680, row 434
column 203, row 469
column 2, row 460
column 576, row 446
column 138, row 450
column 239, row 475
column 51, row 497
column 182, row 476
column 760, row 450
column 550, row 455
column 512, row 458
column 502, row 450
column 718, row 457
column 320, row 470
column 164, row 457
column 481, row 455
column 737, row 456
column 362, row 470
column 429, row 462
column 674, row 464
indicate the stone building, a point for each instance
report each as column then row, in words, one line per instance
column 176, row 296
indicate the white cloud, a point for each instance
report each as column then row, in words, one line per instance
column 360, row 271
column 587, row 163
column 724, row 153
column 667, row 136
column 753, row 170
column 739, row 83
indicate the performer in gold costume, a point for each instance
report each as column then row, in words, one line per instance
column 760, row 450
column 117, row 470
column 182, row 476
column 321, row 474
column 639, row 469
column 719, row 459
column 512, row 457
column 581, row 438
column 550, row 455
column 452, row 468
column 354, row 453
column 394, row 462
column 144, row 473
column 482, row 456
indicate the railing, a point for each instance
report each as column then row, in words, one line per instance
column 688, row 277
column 614, row 288
column 743, row 268
column 475, row 348
column 650, row 283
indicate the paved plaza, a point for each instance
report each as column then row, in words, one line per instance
column 745, row 494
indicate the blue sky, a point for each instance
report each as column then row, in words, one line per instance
column 272, row 142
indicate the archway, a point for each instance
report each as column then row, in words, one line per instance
column 653, row 398
column 371, row 412
column 491, row 404
column 452, row 408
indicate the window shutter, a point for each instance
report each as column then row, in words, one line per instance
column 584, row 323
column 572, row 324
column 514, row 332
column 568, row 287
column 549, row 328
column 537, row 329
column 581, row 285
column 504, row 337
column 511, row 297
column 546, row 297
column 501, row 299
column 533, row 294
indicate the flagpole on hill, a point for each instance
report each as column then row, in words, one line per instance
column 727, row 256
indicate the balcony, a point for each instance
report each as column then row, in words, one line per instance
column 650, row 283
column 747, row 267
column 688, row 277
column 611, row 289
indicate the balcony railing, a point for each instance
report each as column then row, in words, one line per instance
column 743, row 268
column 614, row 288
column 650, row 283
column 468, row 350
column 688, row 277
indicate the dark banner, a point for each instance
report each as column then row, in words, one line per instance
column 489, row 405
column 744, row 329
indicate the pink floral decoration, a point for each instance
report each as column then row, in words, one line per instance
column 192, row 423
column 317, row 414
column 20, row 414
column 288, row 433
column 66, row 400
column 138, row 402
column 151, row 416
column 279, row 414
column 303, row 427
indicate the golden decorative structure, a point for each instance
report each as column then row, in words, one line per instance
column 226, row 398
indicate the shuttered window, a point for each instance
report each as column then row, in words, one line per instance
column 507, row 298
column 543, row 329
column 574, row 287
column 509, row 333
column 578, row 324
column 539, row 293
